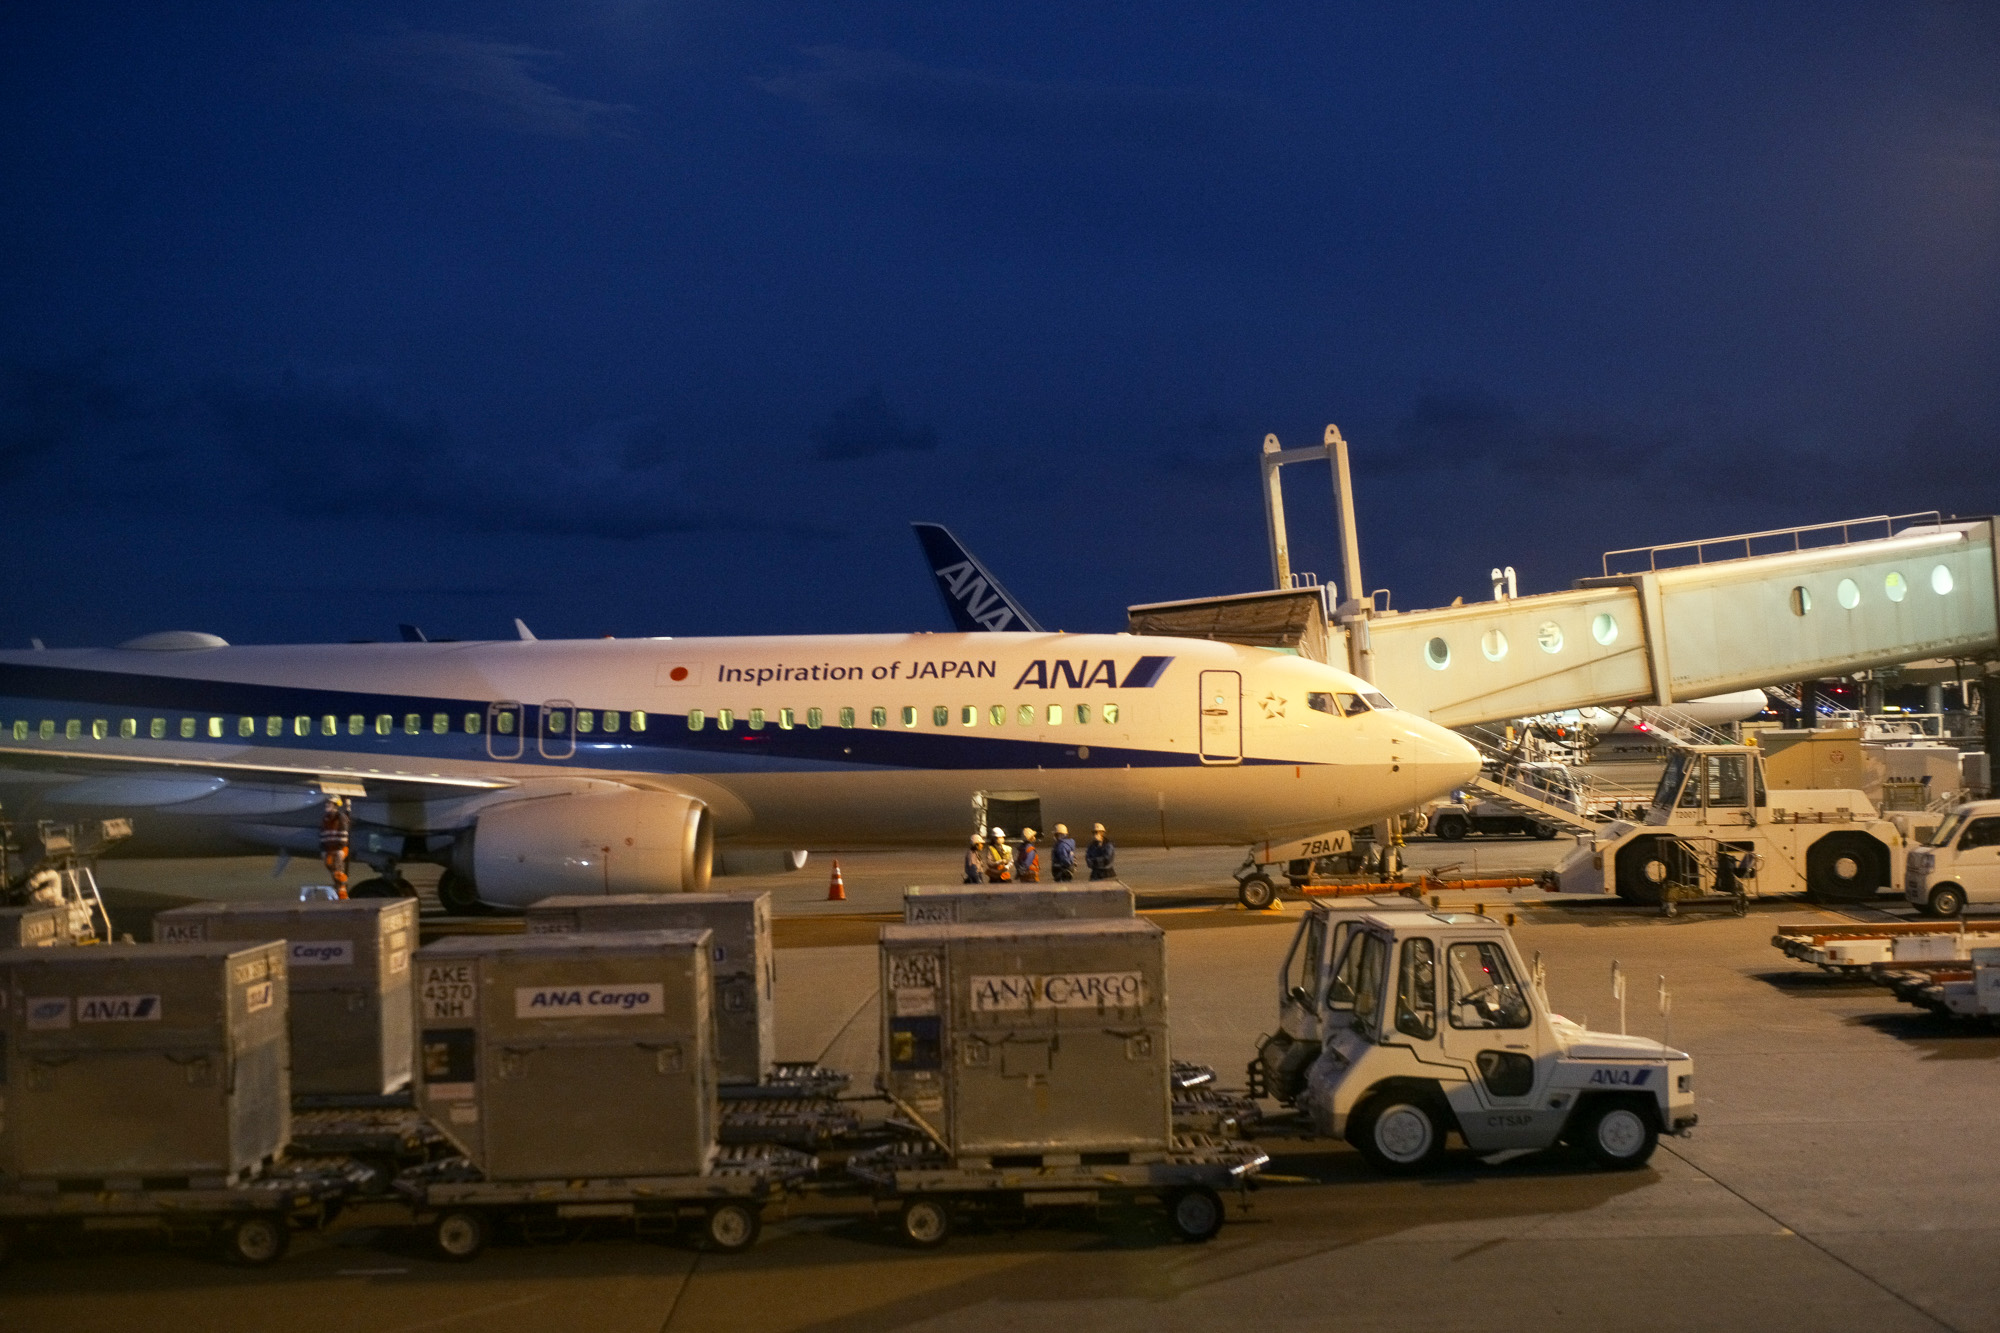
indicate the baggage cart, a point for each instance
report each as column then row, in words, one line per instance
column 929, row 1191
column 721, row 1206
column 249, row 1221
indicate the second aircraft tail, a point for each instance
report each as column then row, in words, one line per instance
column 974, row 599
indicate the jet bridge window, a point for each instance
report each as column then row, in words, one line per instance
column 1484, row 993
column 1416, row 990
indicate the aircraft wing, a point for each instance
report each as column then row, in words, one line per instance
column 332, row 781
column 973, row 597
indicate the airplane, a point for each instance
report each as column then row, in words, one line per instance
column 973, row 596
column 528, row 767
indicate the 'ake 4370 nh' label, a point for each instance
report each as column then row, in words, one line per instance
column 447, row 990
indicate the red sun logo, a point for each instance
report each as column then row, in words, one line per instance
column 678, row 673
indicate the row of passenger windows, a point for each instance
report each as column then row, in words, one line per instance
column 557, row 722
column 967, row 715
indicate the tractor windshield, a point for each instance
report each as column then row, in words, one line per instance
column 1949, row 829
column 1671, row 780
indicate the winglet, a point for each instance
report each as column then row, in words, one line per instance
column 411, row 634
column 973, row 598
column 521, row 629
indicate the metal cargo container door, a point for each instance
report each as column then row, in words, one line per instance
column 636, row 1121
column 111, row 1112
column 1221, row 717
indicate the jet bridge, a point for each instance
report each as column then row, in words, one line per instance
column 1669, row 632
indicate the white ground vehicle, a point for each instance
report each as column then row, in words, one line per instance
column 1960, row 864
column 1403, row 1026
column 1714, row 828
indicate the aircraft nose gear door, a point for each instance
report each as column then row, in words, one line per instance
column 558, row 731
column 504, row 737
column 1221, row 717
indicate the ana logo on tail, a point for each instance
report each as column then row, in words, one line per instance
column 974, row 599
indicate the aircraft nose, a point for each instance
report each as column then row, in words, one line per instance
column 1446, row 759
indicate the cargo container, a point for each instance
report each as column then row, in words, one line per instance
column 558, row 1056
column 742, row 964
column 925, row 905
column 33, row 927
column 349, row 964
column 131, row 1063
column 1030, row 1037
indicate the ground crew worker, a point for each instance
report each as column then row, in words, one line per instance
column 1100, row 854
column 335, row 825
column 999, row 857
column 1062, row 857
column 1028, row 861
column 975, row 861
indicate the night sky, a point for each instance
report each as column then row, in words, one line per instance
column 667, row 318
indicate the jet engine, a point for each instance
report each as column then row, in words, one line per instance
column 586, row 842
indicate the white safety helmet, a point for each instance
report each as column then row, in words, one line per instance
column 978, row 841
column 998, row 833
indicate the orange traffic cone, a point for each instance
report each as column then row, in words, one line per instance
column 836, row 890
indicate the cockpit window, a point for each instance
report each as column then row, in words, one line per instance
column 1351, row 704
column 1321, row 703
column 1376, row 699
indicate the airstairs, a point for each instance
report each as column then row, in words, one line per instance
column 1516, row 801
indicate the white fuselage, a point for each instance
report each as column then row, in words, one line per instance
column 850, row 740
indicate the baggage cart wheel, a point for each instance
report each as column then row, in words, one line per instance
column 1619, row 1137
column 925, row 1223
column 460, row 1234
column 1257, row 892
column 257, row 1240
column 1195, row 1212
column 731, row 1227
column 1400, row 1134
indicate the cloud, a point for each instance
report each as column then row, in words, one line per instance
column 866, row 426
column 878, row 101
column 420, row 75
column 48, row 407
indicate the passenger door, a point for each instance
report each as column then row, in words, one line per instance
column 1489, row 1027
column 1977, row 863
column 1221, row 717
column 505, row 737
column 556, row 733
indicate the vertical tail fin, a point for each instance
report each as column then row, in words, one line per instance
column 973, row 598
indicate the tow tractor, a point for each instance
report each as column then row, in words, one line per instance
column 1715, row 832
column 1400, row 1026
